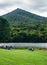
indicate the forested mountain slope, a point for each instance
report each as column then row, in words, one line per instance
column 22, row 16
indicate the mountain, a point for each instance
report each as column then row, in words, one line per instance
column 26, row 27
column 22, row 16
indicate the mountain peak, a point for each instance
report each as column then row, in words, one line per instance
column 20, row 15
column 18, row 9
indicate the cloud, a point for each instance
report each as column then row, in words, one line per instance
column 36, row 6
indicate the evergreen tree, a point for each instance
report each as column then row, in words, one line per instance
column 4, row 30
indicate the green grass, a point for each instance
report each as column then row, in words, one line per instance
column 23, row 57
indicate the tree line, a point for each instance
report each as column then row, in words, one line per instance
column 30, row 33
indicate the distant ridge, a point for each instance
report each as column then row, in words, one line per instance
column 22, row 16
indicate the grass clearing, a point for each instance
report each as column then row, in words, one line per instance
column 23, row 57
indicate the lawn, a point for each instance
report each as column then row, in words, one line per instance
column 23, row 57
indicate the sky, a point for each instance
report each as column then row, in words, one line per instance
column 38, row 7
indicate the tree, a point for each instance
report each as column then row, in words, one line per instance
column 4, row 30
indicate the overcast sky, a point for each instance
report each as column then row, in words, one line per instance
column 35, row 6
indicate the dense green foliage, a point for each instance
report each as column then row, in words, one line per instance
column 26, row 26
column 29, row 33
column 23, row 57
column 4, row 30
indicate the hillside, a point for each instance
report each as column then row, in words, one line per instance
column 24, row 17
column 26, row 27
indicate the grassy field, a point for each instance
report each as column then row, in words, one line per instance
column 23, row 57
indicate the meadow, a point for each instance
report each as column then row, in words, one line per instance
column 23, row 57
